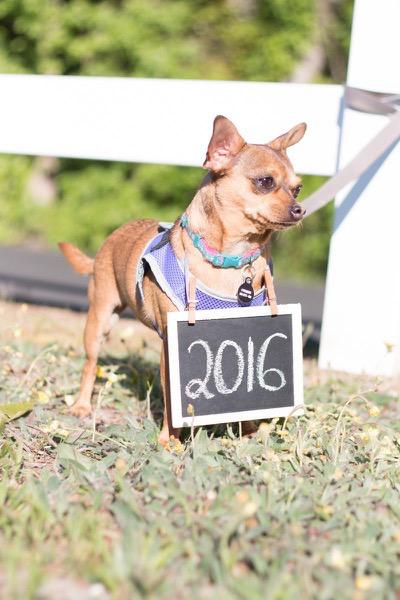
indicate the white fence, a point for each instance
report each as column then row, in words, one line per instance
column 161, row 120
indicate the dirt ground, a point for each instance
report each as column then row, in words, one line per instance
column 43, row 325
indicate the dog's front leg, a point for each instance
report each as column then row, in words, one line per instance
column 167, row 430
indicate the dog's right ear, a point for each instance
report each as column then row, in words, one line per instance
column 225, row 144
column 289, row 138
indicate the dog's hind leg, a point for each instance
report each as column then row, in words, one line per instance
column 103, row 313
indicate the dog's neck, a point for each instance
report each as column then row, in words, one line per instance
column 221, row 231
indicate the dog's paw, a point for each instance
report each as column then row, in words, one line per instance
column 80, row 410
column 164, row 438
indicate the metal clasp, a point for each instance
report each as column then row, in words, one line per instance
column 248, row 272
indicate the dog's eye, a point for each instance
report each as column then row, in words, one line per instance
column 296, row 191
column 265, row 184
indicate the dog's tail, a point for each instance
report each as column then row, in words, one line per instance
column 78, row 260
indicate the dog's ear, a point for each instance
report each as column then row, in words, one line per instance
column 288, row 139
column 224, row 145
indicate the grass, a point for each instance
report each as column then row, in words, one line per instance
column 309, row 508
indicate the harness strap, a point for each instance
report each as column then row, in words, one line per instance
column 271, row 296
column 192, row 300
column 190, row 284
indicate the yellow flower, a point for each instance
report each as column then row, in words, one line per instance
column 190, row 409
column 175, row 445
column 120, row 465
column 389, row 347
column 111, row 377
column 374, row 411
column 42, row 397
column 368, row 435
column 364, row 583
column 283, row 433
column 100, row 372
column 324, row 511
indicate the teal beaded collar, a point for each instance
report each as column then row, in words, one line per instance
column 224, row 261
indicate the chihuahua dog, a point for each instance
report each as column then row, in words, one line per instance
column 249, row 192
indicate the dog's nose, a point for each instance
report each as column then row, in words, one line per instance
column 297, row 212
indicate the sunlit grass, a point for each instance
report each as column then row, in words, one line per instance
column 308, row 508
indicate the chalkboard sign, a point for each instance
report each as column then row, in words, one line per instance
column 235, row 364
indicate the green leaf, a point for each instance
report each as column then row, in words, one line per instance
column 13, row 410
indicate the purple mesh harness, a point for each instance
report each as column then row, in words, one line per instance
column 171, row 276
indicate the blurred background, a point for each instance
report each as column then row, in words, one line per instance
column 251, row 40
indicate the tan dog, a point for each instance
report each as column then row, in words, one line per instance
column 249, row 192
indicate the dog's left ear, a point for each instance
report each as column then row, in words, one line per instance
column 288, row 139
column 225, row 144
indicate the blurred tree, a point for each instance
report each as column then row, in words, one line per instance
column 335, row 18
column 206, row 39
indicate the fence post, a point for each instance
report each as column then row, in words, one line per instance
column 361, row 323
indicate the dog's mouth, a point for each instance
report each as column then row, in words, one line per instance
column 280, row 224
column 263, row 223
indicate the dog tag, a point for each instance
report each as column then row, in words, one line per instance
column 245, row 293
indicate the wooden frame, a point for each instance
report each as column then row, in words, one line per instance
column 180, row 420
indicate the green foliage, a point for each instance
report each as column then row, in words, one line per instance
column 343, row 12
column 302, row 252
column 96, row 198
column 306, row 509
column 156, row 38
column 13, row 410
column 106, row 198
column 14, row 204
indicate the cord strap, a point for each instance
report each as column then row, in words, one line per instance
column 271, row 296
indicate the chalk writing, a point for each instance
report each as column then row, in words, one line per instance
column 201, row 384
column 197, row 387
